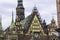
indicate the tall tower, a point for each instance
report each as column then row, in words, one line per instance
column 58, row 12
column 19, row 16
column 19, row 12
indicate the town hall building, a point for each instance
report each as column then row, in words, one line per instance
column 31, row 27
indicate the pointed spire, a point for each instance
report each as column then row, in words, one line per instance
column 35, row 9
column 20, row 3
column 53, row 24
column 12, row 22
column 12, row 17
column 0, row 22
column 44, row 23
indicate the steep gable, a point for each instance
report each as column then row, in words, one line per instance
column 36, row 26
column 32, row 23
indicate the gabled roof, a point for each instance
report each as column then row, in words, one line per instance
column 27, row 21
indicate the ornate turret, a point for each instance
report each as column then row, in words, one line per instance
column 53, row 25
column 44, row 23
column 19, row 16
column 52, row 21
column 19, row 12
column 35, row 9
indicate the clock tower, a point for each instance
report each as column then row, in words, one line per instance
column 58, row 12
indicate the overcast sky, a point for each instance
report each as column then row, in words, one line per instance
column 46, row 8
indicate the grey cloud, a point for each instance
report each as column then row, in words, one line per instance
column 47, row 7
